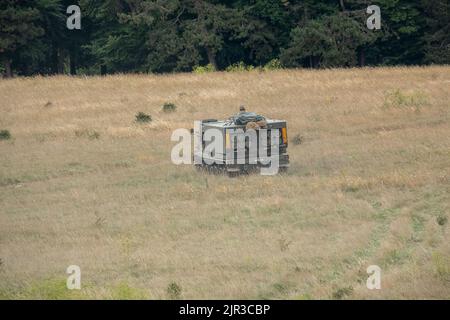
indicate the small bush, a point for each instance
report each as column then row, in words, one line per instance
column 174, row 291
column 341, row 293
column 284, row 244
column 399, row 99
column 142, row 117
column 274, row 64
column 5, row 135
column 297, row 140
column 169, row 107
column 239, row 67
column 441, row 219
column 204, row 69
column 86, row 133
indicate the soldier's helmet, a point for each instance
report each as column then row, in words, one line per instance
column 242, row 109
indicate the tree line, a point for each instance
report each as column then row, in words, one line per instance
column 159, row 36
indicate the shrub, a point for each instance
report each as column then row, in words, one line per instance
column 341, row 293
column 169, row 107
column 174, row 291
column 5, row 135
column 239, row 67
column 441, row 220
column 143, row 117
column 399, row 99
column 86, row 133
column 204, row 69
column 297, row 139
column 274, row 64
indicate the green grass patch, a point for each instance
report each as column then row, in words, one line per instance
column 123, row 291
column 395, row 257
column 442, row 265
column 400, row 99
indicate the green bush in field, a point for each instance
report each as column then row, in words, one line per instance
column 239, row 67
column 343, row 292
column 399, row 99
column 441, row 219
column 87, row 133
column 274, row 64
column 174, row 291
column 5, row 135
column 142, row 117
column 169, row 107
column 204, row 69
column 297, row 139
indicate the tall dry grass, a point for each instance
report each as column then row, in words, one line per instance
column 82, row 183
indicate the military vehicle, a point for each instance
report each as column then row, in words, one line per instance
column 233, row 162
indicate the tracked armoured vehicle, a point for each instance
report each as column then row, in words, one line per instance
column 255, row 153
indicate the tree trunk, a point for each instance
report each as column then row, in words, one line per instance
column 54, row 63
column 8, row 70
column 211, row 57
column 362, row 57
column 60, row 61
column 341, row 2
column 73, row 65
column 103, row 70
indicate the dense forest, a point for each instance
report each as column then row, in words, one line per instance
column 159, row 36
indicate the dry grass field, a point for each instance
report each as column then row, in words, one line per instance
column 82, row 183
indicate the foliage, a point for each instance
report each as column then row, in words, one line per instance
column 399, row 99
column 330, row 41
column 239, row 67
column 204, row 69
column 441, row 219
column 297, row 139
column 169, row 107
column 343, row 292
column 174, row 291
column 274, row 64
column 5, row 135
column 204, row 36
column 142, row 117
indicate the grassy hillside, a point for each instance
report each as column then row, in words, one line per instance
column 82, row 183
